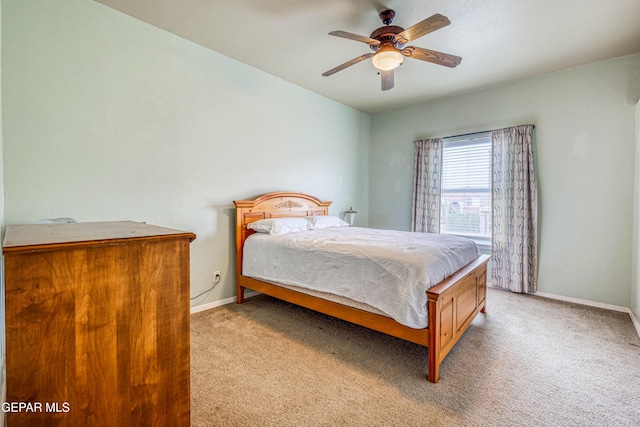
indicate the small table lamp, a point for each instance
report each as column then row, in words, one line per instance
column 350, row 216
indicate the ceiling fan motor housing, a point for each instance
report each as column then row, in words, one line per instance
column 387, row 35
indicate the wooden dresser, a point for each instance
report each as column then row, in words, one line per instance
column 97, row 325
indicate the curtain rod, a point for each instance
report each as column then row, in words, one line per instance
column 483, row 131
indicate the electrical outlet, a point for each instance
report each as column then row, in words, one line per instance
column 216, row 276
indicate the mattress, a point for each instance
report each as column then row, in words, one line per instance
column 386, row 269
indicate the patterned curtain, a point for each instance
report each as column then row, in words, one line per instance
column 425, row 212
column 515, row 210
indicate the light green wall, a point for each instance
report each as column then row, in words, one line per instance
column 635, row 284
column 3, row 378
column 108, row 118
column 585, row 137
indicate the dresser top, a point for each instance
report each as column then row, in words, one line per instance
column 46, row 236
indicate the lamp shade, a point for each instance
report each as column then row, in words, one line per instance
column 350, row 216
column 387, row 58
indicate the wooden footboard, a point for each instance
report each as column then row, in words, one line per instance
column 453, row 303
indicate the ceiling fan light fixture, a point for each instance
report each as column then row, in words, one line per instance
column 387, row 58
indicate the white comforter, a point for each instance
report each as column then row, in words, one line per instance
column 389, row 270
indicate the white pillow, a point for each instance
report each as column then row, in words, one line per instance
column 324, row 221
column 280, row 225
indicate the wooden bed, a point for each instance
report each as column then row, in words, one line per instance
column 453, row 303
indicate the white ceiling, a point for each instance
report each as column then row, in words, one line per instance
column 499, row 40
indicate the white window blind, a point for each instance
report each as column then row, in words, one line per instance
column 466, row 187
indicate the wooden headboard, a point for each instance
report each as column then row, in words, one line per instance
column 272, row 205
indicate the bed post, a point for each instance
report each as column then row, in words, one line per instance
column 433, row 361
column 240, row 294
column 240, row 231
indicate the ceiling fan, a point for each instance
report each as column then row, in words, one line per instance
column 388, row 45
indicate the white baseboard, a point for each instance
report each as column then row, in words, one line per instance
column 634, row 319
column 611, row 307
column 209, row 306
column 584, row 302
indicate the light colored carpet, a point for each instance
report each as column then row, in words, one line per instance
column 528, row 361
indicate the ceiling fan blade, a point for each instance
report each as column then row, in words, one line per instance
column 427, row 26
column 347, row 64
column 439, row 58
column 356, row 37
column 387, row 79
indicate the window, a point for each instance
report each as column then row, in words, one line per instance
column 465, row 208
